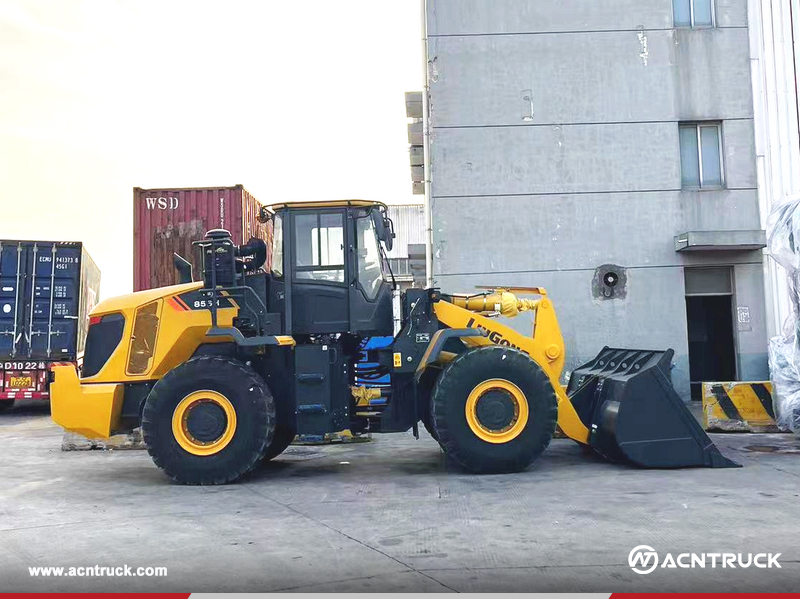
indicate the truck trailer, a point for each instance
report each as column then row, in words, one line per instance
column 47, row 289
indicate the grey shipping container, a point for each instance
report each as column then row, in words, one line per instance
column 47, row 289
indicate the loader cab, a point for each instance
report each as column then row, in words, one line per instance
column 329, row 269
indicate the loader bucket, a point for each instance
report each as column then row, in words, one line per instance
column 626, row 400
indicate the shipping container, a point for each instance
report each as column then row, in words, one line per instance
column 167, row 221
column 47, row 289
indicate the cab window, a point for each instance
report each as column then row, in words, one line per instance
column 370, row 273
column 319, row 247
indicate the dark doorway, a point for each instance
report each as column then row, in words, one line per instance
column 712, row 354
column 709, row 315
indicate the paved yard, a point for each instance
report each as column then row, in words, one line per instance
column 391, row 515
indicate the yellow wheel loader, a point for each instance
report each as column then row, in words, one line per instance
column 222, row 373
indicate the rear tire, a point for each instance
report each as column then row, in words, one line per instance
column 494, row 410
column 208, row 421
column 285, row 429
column 6, row 405
column 282, row 438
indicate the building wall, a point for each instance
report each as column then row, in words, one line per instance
column 554, row 150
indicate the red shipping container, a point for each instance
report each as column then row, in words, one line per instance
column 169, row 220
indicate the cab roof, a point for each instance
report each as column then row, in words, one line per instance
column 325, row 204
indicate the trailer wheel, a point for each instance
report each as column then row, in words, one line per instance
column 208, row 421
column 6, row 405
column 495, row 410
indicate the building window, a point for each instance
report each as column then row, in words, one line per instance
column 693, row 13
column 701, row 155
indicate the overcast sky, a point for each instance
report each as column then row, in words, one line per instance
column 295, row 100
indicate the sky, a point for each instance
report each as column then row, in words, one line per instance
column 295, row 100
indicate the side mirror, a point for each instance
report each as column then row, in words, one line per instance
column 384, row 229
column 184, row 268
column 264, row 215
column 389, row 227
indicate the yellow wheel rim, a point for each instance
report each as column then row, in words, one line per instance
column 504, row 432
column 180, row 423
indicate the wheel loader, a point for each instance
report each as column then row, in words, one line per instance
column 223, row 372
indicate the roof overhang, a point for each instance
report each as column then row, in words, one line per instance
column 704, row 241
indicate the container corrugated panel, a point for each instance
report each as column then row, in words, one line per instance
column 47, row 290
column 167, row 221
column 409, row 227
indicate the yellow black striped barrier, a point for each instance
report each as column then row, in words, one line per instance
column 739, row 406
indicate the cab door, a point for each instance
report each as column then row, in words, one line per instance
column 370, row 291
column 319, row 293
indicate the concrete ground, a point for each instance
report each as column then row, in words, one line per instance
column 391, row 515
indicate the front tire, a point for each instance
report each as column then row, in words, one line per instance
column 494, row 409
column 428, row 424
column 209, row 421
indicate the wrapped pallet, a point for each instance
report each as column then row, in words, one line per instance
column 783, row 242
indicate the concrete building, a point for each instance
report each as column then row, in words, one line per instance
column 605, row 150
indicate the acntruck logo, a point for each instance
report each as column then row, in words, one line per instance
column 643, row 559
column 644, row 556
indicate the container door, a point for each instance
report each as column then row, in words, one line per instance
column 13, row 263
column 52, row 293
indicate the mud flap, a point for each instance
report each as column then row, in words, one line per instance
column 626, row 400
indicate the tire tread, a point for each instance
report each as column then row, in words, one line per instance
column 446, row 390
column 264, row 411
